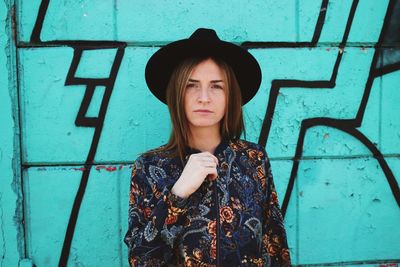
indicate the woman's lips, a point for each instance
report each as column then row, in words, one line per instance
column 203, row 111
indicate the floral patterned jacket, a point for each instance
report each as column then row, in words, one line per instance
column 232, row 221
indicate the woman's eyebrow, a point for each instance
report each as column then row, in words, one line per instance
column 213, row 81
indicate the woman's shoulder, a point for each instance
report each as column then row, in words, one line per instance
column 154, row 155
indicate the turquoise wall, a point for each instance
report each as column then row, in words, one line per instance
column 75, row 112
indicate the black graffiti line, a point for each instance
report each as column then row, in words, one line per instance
column 317, row 33
column 352, row 124
column 246, row 44
column 320, row 22
column 371, row 77
column 310, row 84
column 35, row 36
column 78, row 51
column 278, row 84
column 348, row 127
column 37, row 29
column 87, row 44
column 386, row 69
column 83, row 44
column 81, row 120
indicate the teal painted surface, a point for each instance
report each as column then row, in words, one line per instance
column 48, row 108
column 346, row 211
column 335, row 21
column 390, row 136
column 341, row 211
column 49, row 193
column 66, row 19
column 295, row 104
column 151, row 20
column 102, row 59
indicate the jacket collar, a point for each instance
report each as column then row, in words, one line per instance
column 220, row 147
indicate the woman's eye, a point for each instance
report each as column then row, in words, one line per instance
column 190, row 85
column 217, row 86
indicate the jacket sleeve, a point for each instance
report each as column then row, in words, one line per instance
column 152, row 215
column 275, row 247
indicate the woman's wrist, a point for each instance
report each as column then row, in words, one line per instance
column 177, row 201
column 175, row 190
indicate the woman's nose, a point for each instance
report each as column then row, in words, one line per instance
column 204, row 95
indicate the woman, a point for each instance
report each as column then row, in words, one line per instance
column 206, row 198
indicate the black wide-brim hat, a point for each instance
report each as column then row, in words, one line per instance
column 203, row 43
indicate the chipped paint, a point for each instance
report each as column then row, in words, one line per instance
column 12, row 241
column 107, row 168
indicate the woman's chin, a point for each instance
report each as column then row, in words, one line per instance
column 205, row 124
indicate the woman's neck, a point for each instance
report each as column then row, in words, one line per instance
column 204, row 139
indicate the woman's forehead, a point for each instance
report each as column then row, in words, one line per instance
column 207, row 69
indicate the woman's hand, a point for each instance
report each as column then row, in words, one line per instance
column 198, row 167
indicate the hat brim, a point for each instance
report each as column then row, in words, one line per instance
column 161, row 65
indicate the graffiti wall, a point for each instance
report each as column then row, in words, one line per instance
column 75, row 112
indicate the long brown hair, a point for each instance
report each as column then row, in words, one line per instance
column 232, row 124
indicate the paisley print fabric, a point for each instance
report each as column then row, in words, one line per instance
column 232, row 221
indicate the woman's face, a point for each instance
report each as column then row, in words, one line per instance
column 204, row 98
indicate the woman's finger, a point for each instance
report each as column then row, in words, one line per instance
column 209, row 155
column 210, row 164
column 208, row 160
column 206, row 155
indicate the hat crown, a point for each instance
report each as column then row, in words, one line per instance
column 205, row 34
